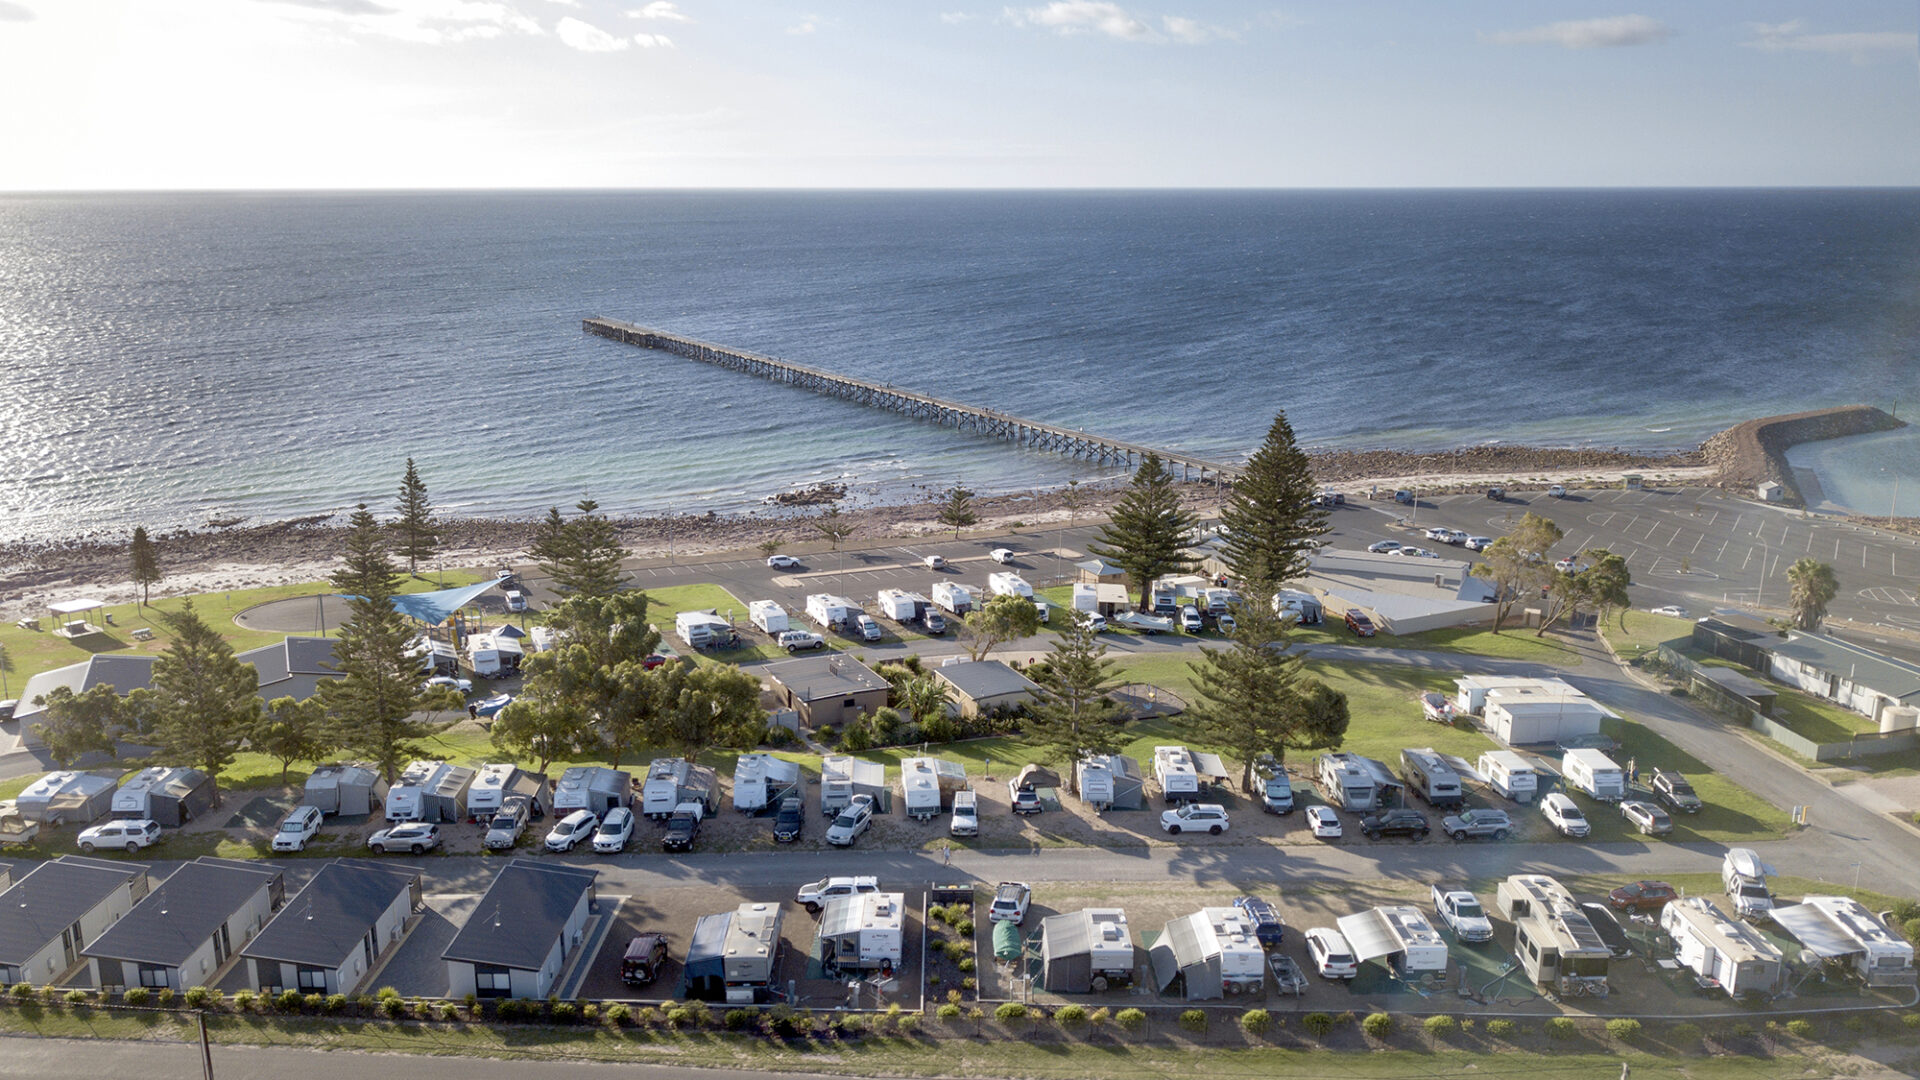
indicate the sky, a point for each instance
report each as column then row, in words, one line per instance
column 270, row 94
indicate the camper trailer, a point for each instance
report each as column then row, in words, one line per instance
column 1008, row 583
column 67, row 798
column 927, row 785
column 1553, row 939
column 591, row 787
column 1173, row 767
column 760, row 781
column 1111, row 782
column 1346, row 782
column 1212, row 952
column 350, row 790
column 672, row 781
column 768, row 615
column 1304, row 607
column 1595, row 773
column 1731, row 954
column 1841, row 932
column 900, row 605
column 863, row 932
column 1510, row 774
column 843, row 777
column 1401, row 935
column 170, row 796
column 953, row 597
column 1744, row 877
column 752, row 953
column 1090, row 950
column 701, row 629
column 831, row 612
column 496, row 783
column 1429, row 776
column 430, row 791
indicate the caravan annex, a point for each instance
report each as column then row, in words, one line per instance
column 1402, row 936
column 1212, row 953
column 1843, row 933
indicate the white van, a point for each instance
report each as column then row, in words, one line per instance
column 966, row 814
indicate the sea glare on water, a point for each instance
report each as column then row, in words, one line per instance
column 167, row 359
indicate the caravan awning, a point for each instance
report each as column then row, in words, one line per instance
column 1369, row 936
column 1211, row 767
column 1811, row 927
column 434, row 608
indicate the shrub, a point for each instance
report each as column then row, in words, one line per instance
column 964, row 926
column 1684, row 1032
column 648, row 1016
column 200, row 997
column 1799, row 1029
column 953, row 997
column 50, row 993
column 510, row 1009
column 618, row 1014
column 974, row 1014
column 1852, row 1023
column 1377, row 1025
column 1740, row 1029
column 960, row 950
column 314, row 1002
column 335, row 1003
column 138, row 995
column 1440, row 1026
column 563, row 1012
column 1560, row 1027
column 243, row 1000
column 680, row 1016
column 967, row 964
column 76, row 997
column 165, row 997
column 1912, row 1020
column 386, row 993
column 1130, row 1019
column 395, row 1006
column 937, row 914
column 739, row 1019
column 1318, row 1024
column 1623, row 1029
column 1193, row 1020
column 287, row 1001
column 1500, row 1029
column 449, row 1011
column 1256, row 1021
column 1070, row 1016
column 948, row 1012
column 1011, row 1013
column 969, row 983
column 1099, row 1017
column 1911, row 928
column 852, row 1024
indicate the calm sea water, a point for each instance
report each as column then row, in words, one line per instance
column 166, row 359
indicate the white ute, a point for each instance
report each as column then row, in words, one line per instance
column 1463, row 914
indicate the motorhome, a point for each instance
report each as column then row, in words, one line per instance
column 953, row 596
column 863, row 932
column 760, row 781
column 1511, row 774
column 1346, row 782
column 768, row 615
column 928, row 784
column 1744, row 877
column 1173, row 768
column 1008, row 583
column 672, row 781
column 1429, row 776
column 1843, row 933
column 1595, row 773
column 1731, row 954
column 1554, row 940
column 1400, row 935
column 830, row 611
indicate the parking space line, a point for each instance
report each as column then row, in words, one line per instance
column 1714, row 518
column 1736, row 523
column 1723, row 549
column 1748, row 559
column 1676, row 536
column 1697, row 543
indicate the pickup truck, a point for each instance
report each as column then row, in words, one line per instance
column 1462, row 913
column 683, row 827
column 1477, row 823
column 795, row 640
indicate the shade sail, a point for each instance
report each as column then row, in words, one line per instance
column 1811, row 927
column 434, row 608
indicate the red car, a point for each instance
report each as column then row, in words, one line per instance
column 1359, row 624
column 1642, row 896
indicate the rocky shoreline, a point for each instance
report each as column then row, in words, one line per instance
column 304, row 549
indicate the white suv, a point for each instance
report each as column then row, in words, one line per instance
column 1564, row 815
column 1195, row 817
column 128, row 834
column 966, row 814
column 300, row 826
column 1331, row 955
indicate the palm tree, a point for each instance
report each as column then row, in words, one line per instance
column 1814, row 585
column 923, row 698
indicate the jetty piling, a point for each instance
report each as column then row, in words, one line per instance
column 959, row 416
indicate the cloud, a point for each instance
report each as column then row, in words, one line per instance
column 808, row 24
column 587, row 37
column 955, row 18
column 1083, row 17
column 341, row 7
column 653, row 41
column 1862, row 46
column 422, row 22
column 661, row 11
column 1191, row 31
column 12, row 12
column 1614, row 31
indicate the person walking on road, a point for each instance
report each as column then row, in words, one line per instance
column 946, row 854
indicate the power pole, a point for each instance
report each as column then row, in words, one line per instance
column 206, row 1049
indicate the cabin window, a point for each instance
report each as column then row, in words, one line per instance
column 153, row 976
column 9, row 974
column 313, row 979
column 491, row 980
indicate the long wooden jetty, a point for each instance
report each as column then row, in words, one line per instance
column 1033, row 433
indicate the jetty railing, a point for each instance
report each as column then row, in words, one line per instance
column 954, row 414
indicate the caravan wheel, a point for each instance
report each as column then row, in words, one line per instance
column 1099, row 984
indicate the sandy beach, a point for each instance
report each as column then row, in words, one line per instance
column 288, row 552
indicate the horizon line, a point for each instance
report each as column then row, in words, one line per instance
column 984, row 190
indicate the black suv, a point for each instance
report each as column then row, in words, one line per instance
column 790, row 820
column 682, row 828
column 1401, row 822
column 1672, row 788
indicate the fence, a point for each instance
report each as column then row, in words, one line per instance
column 1739, row 709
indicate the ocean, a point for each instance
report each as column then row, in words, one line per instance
column 168, row 359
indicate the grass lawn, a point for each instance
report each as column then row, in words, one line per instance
column 1732, row 814
column 33, row 652
column 1513, row 643
column 1645, row 631
column 1818, row 719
